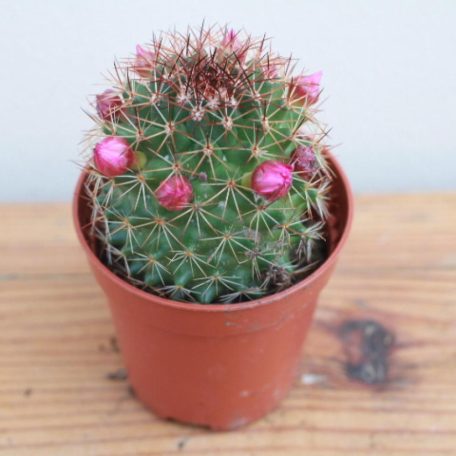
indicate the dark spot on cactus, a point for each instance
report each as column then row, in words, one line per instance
column 367, row 346
column 279, row 277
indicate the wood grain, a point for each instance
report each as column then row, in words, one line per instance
column 59, row 394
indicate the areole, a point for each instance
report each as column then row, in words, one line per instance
column 217, row 365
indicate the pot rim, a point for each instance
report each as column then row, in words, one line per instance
column 230, row 307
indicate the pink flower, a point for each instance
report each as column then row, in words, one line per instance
column 174, row 193
column 306, row 89
column 113, row 156
column 144, row 61
column 303, row 160
column 108, row 104
column 272, row 179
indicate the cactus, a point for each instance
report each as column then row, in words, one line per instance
column 208, row 179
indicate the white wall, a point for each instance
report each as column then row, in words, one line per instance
column 390, row 80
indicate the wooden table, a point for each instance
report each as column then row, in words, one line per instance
column 378, row 374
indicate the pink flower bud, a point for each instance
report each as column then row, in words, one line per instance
column 144, row 61
column 270, row 71
column 108, row 104
column 174, row 193
column 113, row 156
column 306, row 89
column 272, row 179
column 304, row 161
column 233, row 44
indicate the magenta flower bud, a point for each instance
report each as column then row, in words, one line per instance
column 272, row 179
column 113, row 156
column 233, row 44
column 306, row 89
column 174, row 193
column 230, row 38
column 304, row 161
column 270, row 71
column 108, row 104
column 144, row 61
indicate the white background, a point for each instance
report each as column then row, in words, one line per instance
column 389, row 80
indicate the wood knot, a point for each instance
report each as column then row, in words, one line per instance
column 367, row 345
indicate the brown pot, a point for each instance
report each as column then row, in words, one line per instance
column 217, row 365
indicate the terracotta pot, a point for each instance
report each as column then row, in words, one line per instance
column 220, row 366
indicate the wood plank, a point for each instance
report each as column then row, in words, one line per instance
column 397, row 274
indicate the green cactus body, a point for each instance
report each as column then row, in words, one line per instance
column 210, row 111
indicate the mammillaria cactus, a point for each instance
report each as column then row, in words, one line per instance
column 208, row 177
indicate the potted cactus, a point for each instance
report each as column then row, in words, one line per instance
column 212, row 213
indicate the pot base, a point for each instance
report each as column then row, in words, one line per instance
column 226, row 424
